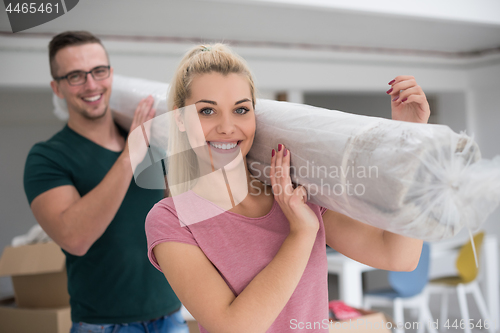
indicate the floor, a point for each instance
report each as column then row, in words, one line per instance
column 453, row 314
column 434, row 304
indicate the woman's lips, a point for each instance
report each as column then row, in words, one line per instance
column 218, row 146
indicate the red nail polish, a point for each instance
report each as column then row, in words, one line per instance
column 272, row 153
column 404, row 100
column 395, row 98
column 392, row 82
column 389, row 91
column 280, row 146
column 284, row 153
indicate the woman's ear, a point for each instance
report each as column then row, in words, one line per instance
column 178, row 119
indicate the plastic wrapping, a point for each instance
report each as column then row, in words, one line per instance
column 420, row 180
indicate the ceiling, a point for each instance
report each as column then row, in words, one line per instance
column 274, row 24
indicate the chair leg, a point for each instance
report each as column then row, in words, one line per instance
column 462, row 301
column 414, row 312
column 427, row 319
column 421, row 318
column 444, row 311
column 478, row 297
column 399, row 315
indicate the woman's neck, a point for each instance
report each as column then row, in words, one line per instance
column 230, row 186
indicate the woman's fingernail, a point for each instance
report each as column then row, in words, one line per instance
column 273, row 153
column 389, row 91
column 284, row 153
column 395, row 98
column 280, row 146
column 392, row 82
column 404, row 100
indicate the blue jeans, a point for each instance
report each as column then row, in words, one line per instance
column 173, row 323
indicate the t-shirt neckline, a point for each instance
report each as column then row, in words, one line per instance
column 120, row 130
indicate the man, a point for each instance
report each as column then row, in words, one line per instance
column 80, row 188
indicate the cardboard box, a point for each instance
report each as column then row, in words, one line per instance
column 38, row 275
column 18, row 320
column 369, row 322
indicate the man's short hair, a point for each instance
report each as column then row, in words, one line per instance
column 69, row 38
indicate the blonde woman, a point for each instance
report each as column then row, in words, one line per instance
column 258, row 265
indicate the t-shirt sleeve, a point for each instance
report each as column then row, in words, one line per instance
column 317, row 208
column 43, row 171
column 162, row 225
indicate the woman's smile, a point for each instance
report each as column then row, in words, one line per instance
column 224, row 146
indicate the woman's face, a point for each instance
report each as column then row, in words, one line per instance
column 225, row 111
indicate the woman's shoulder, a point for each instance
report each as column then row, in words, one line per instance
column 164, row 204
column 162, row 212
column 163, row 223
column 182, row 210
column 317, row 208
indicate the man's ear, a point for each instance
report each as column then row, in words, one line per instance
column 178, row 119
column 55, row 88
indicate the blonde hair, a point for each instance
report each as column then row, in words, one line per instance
column 203, row 59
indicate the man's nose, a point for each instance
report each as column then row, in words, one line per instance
column 90, row 83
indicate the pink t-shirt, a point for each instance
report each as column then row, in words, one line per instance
column 240, row 247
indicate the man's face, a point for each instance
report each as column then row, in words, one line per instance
column 91, row 99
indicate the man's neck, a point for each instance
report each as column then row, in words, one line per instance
column 102, row 131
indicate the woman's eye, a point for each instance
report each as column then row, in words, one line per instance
column 207, row 112
column 242, row 110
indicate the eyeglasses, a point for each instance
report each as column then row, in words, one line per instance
column 77, row 78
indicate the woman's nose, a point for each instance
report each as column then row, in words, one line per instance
column 226, row 125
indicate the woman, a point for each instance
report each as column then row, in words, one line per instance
column 255, row 262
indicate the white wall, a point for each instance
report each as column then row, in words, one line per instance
column 375, row 105
column 485, row 94
column 484, row 85
column 25, row 63
column 452, row 110
column 379, row 105
column 483, row 11
column 25, row 118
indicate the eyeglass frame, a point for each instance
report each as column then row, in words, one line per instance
column 59, row 78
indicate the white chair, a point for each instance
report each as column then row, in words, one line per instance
column 466, row 282
column 407, row 291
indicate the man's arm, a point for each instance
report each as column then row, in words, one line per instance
column 76, row 222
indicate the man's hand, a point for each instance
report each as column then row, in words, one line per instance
column 408, row 100
column 137, row 141
column 143, row 112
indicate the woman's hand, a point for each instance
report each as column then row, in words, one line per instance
column 292, row 201
column 408, row 100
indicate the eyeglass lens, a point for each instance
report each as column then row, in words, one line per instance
column 80, row 77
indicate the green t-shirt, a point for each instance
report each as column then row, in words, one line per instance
column 114, row 281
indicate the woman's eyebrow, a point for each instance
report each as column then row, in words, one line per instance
column 242, row 101
column 206, row 101
column 215, row 103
